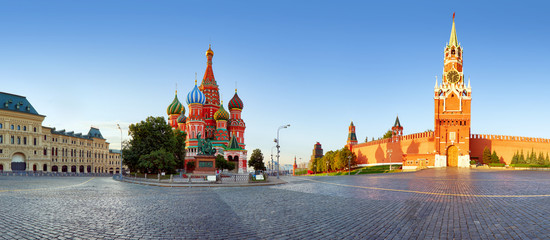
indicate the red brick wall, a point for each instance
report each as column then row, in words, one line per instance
column 506, row 146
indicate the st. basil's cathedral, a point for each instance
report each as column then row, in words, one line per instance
column 208, row 118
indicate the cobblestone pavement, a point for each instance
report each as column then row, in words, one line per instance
column 430, row 204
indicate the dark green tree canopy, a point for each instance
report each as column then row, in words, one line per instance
column 152, row 140
column 221, row 163
column 257, row 160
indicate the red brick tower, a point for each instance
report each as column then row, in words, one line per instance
column 211, row 91
column 294, row 167
column 452, row 109
column 352, row 138
column 396, row 130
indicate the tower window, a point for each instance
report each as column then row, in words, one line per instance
column 453, row 52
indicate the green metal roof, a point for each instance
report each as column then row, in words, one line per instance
column 16, row 103
column 233, row 144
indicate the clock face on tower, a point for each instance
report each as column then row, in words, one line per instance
column 452, row 76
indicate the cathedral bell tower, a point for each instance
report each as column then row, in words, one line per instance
column 452, row 109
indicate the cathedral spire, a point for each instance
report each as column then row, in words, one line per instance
column 453, row 41
column 208, row 78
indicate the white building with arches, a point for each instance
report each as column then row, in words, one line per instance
column 26, row 145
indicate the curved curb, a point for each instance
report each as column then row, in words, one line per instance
column 188, row 185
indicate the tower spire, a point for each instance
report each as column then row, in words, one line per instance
column 453, row 41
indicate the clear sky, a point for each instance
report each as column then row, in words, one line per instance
column 315, row 65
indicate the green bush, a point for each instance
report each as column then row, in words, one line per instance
column 529, row 165
column 473, row 162
column 496, row 164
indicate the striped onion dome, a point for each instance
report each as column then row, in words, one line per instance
column 221, row 114
column 235, row 102
column 175, row 107
column 182, row 118
column 195, row 96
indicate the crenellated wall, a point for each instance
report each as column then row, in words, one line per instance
column 506, row 146
column 375, row 152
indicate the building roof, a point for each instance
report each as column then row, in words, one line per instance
column 397, row 123
column 93, row 133
column 236, row 102
column 16, row 103
column 195, row 96
column 233, row 144
column 453, row 40
column 175, row 107
column 221, row 114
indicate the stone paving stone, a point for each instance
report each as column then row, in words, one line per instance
column 361, row 207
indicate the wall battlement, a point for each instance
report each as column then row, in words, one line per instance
column 509, row 138
column 414, row 136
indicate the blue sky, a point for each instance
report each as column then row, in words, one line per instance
column 315, row 65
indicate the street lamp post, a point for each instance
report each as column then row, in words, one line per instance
column 278, row 146
column 390, row 151
column 272, row 166
column 118, row 125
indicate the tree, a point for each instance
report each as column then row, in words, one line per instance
column 313, row 164
column 179, row 148
column 486, row 155
column 257, row 160
column 151, row 135
column 221, row 163
column 521, row 158
column 345, row 158
column 515, row 158
column 388, row 134
column 158, row 161
column 540, row 159
column 328, row 161
column 494, row 157
column 533, row 157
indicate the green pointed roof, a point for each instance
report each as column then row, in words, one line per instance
column 233, row 144
column 397, row 123
column 453, row 40
column 352, row 136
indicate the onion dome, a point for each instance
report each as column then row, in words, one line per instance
column 175, row 107
column 209, row 51
column 221, row 114
column 235, row 102
column 195, row 96
column 182, row 118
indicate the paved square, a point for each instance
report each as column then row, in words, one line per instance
column 431, row 204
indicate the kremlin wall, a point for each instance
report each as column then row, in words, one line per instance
column 451, row 144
